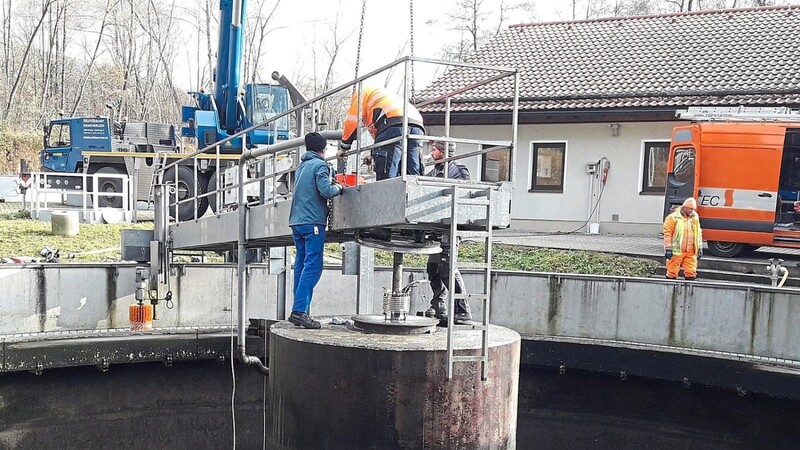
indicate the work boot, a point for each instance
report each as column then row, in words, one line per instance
column 302, row 319
column 462, row 317
column 438, row 305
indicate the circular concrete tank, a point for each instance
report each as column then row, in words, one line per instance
column 335, row 388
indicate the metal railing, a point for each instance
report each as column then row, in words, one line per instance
column 266, row 165
column 87, row 186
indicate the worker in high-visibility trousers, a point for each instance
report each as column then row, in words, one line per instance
column 683, row 240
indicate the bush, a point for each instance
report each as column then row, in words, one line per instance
column 16, row 145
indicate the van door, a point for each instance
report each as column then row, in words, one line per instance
column 680, row 168
column 787, row 222
column 737, row 185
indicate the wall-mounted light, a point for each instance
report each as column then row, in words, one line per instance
column 614, row 129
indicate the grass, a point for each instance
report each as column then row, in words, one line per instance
column 22, row 238
column 26, row 238
column 515, row 257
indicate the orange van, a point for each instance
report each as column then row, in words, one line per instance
column 746, row 179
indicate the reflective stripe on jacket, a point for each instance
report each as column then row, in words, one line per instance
column 679, row 231
column 379, row 109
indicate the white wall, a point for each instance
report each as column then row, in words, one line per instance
column 564, row 211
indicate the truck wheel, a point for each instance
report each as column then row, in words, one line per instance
column 112, row 185
column 725, row 249
column 185, row 190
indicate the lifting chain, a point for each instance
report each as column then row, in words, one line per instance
column 411, row 30
column 360, row 36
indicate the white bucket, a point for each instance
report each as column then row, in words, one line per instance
column 594, row 228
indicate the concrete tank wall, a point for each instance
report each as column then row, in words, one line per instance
column 751, row 320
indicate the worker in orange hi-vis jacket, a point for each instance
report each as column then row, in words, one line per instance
column 683, row 240
column 382, row 114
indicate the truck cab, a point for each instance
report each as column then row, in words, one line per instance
column 261, row 102
column 745, row 175
column 65, row 139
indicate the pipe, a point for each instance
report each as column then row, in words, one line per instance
column 242, row 276
column 285, row 145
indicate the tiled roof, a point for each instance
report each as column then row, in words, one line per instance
column 731, row 57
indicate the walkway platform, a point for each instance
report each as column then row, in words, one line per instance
column 412, row 204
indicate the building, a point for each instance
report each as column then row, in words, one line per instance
column 609, row 88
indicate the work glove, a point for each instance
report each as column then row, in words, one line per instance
column 668, row 253
column 367, row 160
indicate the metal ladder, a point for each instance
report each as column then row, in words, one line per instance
column 158, row 163
column 483, row 198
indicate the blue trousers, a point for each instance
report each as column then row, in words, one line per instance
column 387, row 158
column 309, row 240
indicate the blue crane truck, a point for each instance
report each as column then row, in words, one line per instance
column 94, row 145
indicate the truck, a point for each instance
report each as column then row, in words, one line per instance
column 742, row 164
column 94, row 145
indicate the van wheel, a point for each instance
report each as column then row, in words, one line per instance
column 725, row 249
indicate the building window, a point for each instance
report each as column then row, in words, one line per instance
column 654, row 177
column 494, row 165
column 547, row 173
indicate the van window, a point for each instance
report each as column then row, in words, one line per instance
column 683, row 165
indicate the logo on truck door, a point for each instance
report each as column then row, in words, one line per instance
column 737, row 198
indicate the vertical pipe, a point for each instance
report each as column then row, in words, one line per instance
column 397, row 273
column 447, row 134
column 397, row 280
column 242, row 277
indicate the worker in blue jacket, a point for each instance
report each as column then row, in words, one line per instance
column 314, row 185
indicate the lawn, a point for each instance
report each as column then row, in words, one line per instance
column 20, row 237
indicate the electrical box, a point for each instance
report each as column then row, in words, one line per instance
column 136, row 245
column 591, row 168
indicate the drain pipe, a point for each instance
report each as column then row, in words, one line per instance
column 242, row 275
column 242, row 241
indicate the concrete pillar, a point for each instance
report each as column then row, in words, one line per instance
column 336, row 388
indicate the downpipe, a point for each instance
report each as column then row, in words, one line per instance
column 242, row 277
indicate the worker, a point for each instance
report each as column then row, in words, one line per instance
column 438, row 267
column 683, row 240
column 382, row 114
column 314, row 185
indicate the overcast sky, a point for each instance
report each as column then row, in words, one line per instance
column 302, row 26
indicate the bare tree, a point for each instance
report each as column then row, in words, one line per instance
column 103, row 23
column 45, row 8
